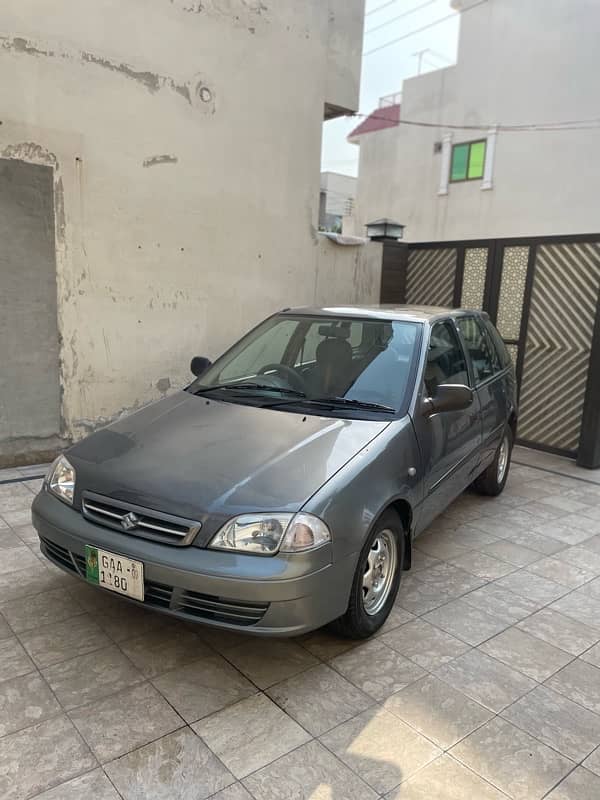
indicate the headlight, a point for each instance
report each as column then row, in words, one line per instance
column 266, row 534
column 61, row 480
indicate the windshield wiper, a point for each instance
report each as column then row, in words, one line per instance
column 345, row 401
column 332, row 402
column 251, row 386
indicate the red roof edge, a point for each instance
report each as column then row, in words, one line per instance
column 385, row 117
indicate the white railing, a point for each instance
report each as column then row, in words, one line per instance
column 390, row 100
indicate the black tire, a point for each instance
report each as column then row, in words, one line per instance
column 356, row 623
column 490, row 482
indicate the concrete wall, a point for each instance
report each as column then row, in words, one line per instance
column 347, row 274
column 518, row 63
column 184, row 140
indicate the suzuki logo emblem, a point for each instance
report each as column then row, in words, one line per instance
column 130, row 521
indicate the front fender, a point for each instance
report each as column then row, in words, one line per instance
column 378, row 475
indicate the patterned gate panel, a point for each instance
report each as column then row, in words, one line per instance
column 474, row 274
column 557, row 350
column 431, row 276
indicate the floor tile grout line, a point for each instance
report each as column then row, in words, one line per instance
column 555, row 472
column 24, row 479
column 564, row 778
column 322, row 660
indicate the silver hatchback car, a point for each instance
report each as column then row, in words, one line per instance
column 283, row 488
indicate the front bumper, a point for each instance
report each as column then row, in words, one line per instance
column 271, row 596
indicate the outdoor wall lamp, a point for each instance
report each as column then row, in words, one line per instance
column 385, row 230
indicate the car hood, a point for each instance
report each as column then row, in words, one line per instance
column 200, row 458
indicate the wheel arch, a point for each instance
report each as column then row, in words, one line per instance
column 404, row 510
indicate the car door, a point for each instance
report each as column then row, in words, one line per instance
column 449, row 441
column 489, row 383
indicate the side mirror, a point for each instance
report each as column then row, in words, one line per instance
column 448, row 397
column 199, row 365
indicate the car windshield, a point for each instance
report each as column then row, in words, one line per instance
column 345, row 364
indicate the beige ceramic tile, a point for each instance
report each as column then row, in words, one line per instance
column 40, row 757
column 580, row 682
column 425, row 644
column 14, row 661
column 485, row 680
column 319, row 699
column 93, row 786
column 465, row 622
column 64, row 640
column 377, row 669
column 380, row 748
column 445, row 779
column 25, row 701
column 177, row 766
column 557, row 721
column 203, row 687
column 122, row 722
column 438, row 711
column 269, row 661
column 581, row 784
column 164, row 649
column 568, row 634
column 525, row 653
column 28, row 613
column 309, row 773
column 250, row 734
column 518, row 764
column 91, row 677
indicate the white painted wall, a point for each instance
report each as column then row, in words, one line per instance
column 518, row 62
column 186, row 142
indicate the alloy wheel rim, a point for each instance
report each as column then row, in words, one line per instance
column 380, row 569
column 502, row 460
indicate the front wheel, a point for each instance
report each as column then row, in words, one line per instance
column 376, row 580
column 492, row 480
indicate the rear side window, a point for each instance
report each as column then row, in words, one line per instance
column 445, row 358
column 482, row 352
column 499, row 346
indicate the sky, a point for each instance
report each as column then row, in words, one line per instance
column 384, row 71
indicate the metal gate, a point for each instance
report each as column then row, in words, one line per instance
column 543, row 294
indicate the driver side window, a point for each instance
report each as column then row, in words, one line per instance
column 445, row 358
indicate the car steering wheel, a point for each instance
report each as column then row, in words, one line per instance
column 290, row 375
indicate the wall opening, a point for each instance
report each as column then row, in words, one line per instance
column 29, row 345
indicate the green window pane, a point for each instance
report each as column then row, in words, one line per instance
column 476, row 160
column 460, row 155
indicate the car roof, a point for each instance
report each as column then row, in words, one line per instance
column 383, row 311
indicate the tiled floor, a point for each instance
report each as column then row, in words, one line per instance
column 484, row 683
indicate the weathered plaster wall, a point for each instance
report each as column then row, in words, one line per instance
column 185, row 141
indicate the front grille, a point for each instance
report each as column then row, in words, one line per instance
column 221, row 609
column 60, row 555
column 138, row 521
column 159, row 595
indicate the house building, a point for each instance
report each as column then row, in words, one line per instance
column 493, row 165
column 338, row 195
column 518, row 63
column 159, row 194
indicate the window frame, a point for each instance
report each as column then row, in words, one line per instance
column 480, row 322
column 469, row 145
column 450, row 322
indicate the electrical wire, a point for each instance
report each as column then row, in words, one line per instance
column 529, row 127
column 380, row 8
column 424, row 28
column 400, row 16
